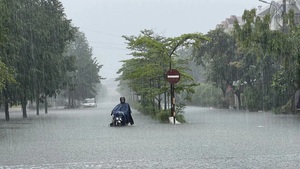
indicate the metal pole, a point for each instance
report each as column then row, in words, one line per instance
column 173, row 102
column 284, row 19
column 283, row 15
column 172, row 96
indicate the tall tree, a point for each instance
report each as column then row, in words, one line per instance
column 153, row 56
column 57, row 33
column 273, row 56
column 6, row 73
column 12, row 26
column 218, row 56
column 83, row 80
column 37, row 32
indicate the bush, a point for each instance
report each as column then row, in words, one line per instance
column 180, row 118
column 146, row 109
column 163, row 116
column 286, row 109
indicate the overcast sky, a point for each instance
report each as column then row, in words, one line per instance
column 105, row 21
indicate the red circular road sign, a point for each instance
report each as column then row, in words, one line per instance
column 173, row 76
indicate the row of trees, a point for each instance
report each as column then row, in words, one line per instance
column 260, row 66
column 41, row 52
column 83, row 81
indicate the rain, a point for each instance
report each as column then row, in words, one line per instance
column 149, row 84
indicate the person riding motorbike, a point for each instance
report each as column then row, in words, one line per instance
column 124, row 107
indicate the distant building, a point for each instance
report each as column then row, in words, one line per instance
column 275, row 8
column 228, row 24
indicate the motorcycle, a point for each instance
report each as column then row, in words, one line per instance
column 118, row 119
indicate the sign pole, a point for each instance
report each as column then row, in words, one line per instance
column 173, row 77
column 173, row 103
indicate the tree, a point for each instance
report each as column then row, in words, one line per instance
column 82, row 81
column 218, row 56
column 59, row 33
column 11, row 42
column 272, row 56
column 153, row 56
column 36, row 33
column 6, row 73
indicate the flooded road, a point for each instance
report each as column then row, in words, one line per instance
column 212, row 138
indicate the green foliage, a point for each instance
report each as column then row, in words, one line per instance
column 6, row 73
column 33, row 37
column 82, row 80
column 252, row 56
column 180, row 118
column 218, row 56
column 180, row 108
column 272, row 55
column 285, row 109
column 153, row 56
column 163, row 116
column 6, row 76
column 147, row 109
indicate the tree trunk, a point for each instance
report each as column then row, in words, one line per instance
column 6, row 110
column 46, row 105
column 224, row 101
column 24, row 104
column 296, row 101
column 159, row 102
column 37, row 105
column 165, row 98
column 6, row 106
column 72, row 104
column 298, row 80
column 238, row 95
column 69, row 99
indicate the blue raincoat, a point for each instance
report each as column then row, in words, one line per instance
column 124, row 107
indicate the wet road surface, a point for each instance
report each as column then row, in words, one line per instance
column 212, row 138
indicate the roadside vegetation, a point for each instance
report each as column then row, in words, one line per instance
column 252, row 67
column 42, row 55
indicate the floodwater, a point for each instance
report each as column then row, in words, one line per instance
column 212, row 138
